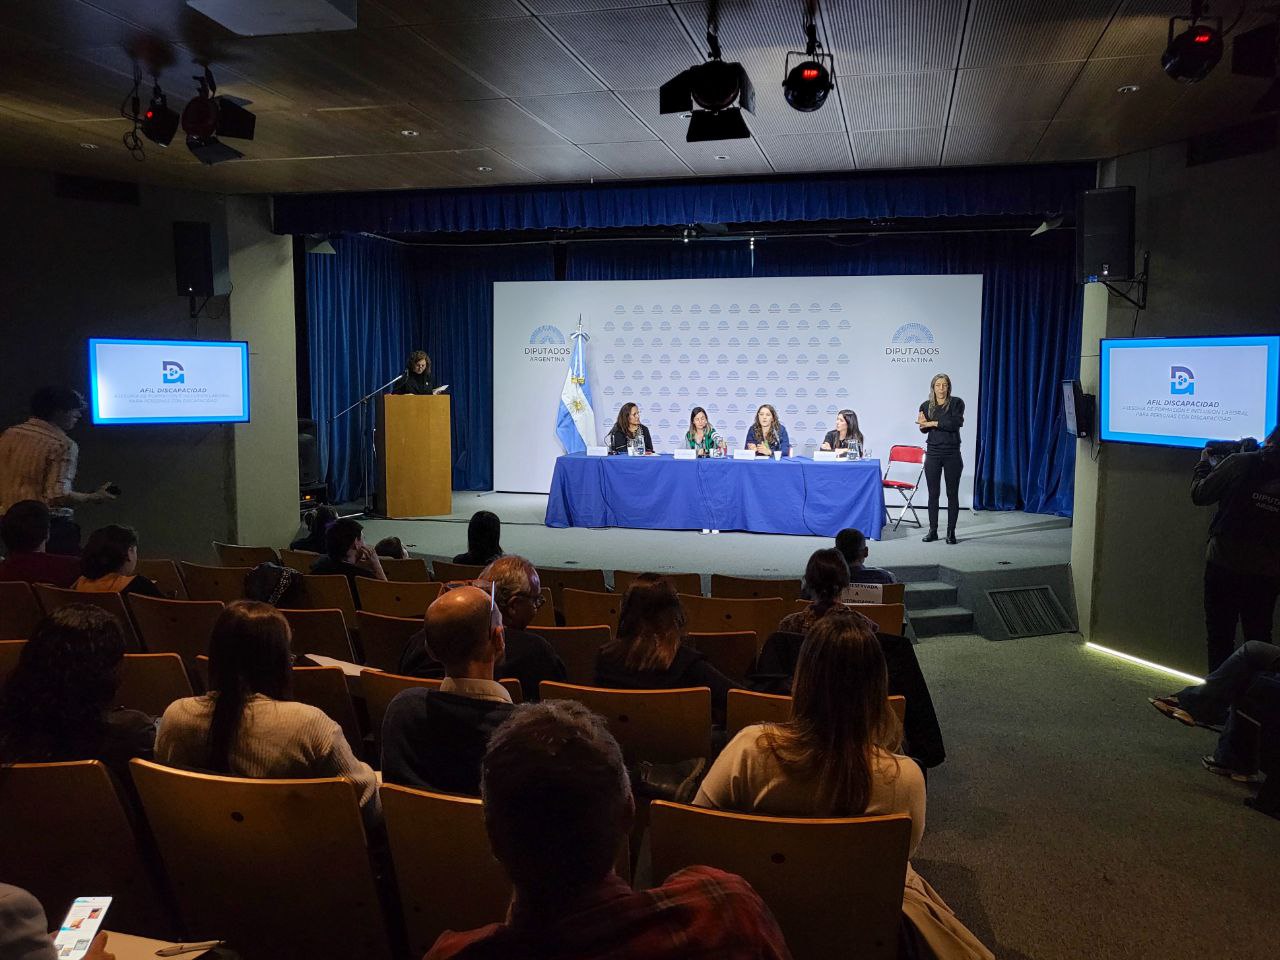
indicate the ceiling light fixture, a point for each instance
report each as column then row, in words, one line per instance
column 206, row 117
column 1128, row 88
column 1195, row 51
column 485, row 169
column 89, row 146
column 159, row 123
column 721, row 156
column 408, row 133
column 714, row 87
column 807, row 84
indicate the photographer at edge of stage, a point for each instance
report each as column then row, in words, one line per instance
column 1242, row 560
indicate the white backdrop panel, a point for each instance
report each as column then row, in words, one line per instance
column 808, row 345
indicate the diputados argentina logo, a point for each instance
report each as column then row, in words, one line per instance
column 912, row 343
column 547, row 345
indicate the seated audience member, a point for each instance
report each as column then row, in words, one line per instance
column 108, row 562
column 557, row 805
column 837, row 757
column 529, row 657
column 435, row 739
column 24, row 930
column 60, row 701
column 246, row 725
column 275, row 584
column 391, row 548
column 484, row 536
column 648, row 651
column 825, row 578
column 24, row 529
column 852, row 545
column 1215, row 702
column 317, row 522
column 346, row 553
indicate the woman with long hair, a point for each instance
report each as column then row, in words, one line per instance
column 940, row 418
column 247, row 725
column 109, row 561
column 484, row 540
column 825, row 577
column 60, row 701
column 626, row 428
column 767, row 435
column 648, row 651
column 701, row 435
column 846, row 429
column 416, row 378
column 837, row 757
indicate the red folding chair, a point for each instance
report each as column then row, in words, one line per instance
column 908, row 456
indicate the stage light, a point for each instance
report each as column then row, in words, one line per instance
column 715, row 86
column 159, row 123
column 1195, row 51
column 206, row 117
column 806, row 85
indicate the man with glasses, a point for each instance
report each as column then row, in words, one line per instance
column 518, row 594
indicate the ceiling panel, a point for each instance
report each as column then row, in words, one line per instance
column 564, row 162
column 1095, row 96
column 640, row 47
column 897, row 148
column 992, row 95
column 895, row 101
column 518, row 57
column 495, row 123
column 1009, row 143
column 578, row 6
column 57, row 24
column 728, row 158
column 429, row 11
column 334, row 133
column 643, row 160
column 893, row 36
column 1140, row 27
column 1085, row 140
column 58, row 85
column 598, row 117
column 807, row 152
column 1033, row 31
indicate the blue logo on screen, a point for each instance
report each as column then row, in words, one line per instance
column 546, row 335
column 1182, row 381
column 913, row 333
column 171, row 372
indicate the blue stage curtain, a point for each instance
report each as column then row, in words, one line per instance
column 374, row 302
column 982, row 191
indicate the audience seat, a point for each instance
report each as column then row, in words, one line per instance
column 278, row 868
column 445, row 572
column 164, row 574
column 10, row 651
column 213, row 583
column 396, row 598
column 888, row 617
column 238, row 555
column 745, row 707
column 54, row 598
column 559, row 579
column 326, row 688
column 664, row 726
column 64, row 833
column 175, row 626
column 151, row 681
column 719, row 614
column 835, row 886
column 753, row 588
column 690, row 583
column 329, row 591
column 731, row 653
column 882, row 592
column 546, row 615
column 384, row 638
column 380, row 688
column 19, row 610
column 322, row 632
column 410, row 570
column 300, row 560
column 577, row 647
column 588, row 608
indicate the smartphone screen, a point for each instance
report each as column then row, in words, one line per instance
column 80, row 926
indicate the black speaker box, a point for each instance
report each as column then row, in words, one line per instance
column 200, row 259
column 1104, row 234
column 1078, row 409
column 308, row 454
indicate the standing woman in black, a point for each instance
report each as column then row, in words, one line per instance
column 940, row 418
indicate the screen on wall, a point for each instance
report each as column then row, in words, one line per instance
column 1187, row 391
column 168, row 381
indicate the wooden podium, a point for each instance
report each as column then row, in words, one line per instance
column 415, row 456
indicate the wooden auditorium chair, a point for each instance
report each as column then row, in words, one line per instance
column 238, row 555
column 396, row 598
column 213, row 583
column 690, row 583
column 664, row 726
column 175, row 626
column 151, row 681
column 753, row 588
column 54, row 598
column 20, row 611
column 589, row 608
column 384, row 638
column 577, row 647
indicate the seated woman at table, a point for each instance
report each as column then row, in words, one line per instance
column 701, row 435
column 626, row 429
column 767, row 435
column 846, row 430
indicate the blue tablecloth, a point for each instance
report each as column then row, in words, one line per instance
column 794, row 495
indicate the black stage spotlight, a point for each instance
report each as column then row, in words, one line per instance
column 714, row 86
column 807, row 84
column 207, row 117
column 159, row 123
column 1195, row 51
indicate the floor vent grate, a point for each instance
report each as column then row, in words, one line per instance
column 1030, row 611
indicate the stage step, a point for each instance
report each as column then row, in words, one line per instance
column 930, row 595
column 941, row 620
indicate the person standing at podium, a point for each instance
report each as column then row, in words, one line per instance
column 416, row 378
column 627, row 428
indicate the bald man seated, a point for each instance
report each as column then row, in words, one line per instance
column 435, row 739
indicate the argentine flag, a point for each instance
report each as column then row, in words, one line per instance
column 575, row 421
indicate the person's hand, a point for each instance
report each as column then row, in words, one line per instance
column 1206, row 454
column 103, row 494
column 920, row 420
column 98, row 949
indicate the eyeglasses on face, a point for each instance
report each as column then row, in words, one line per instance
column 536, row 599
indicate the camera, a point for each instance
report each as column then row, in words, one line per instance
column 1220, row 449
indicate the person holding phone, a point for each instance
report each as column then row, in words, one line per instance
column 940, row 419
column 627, row 428
column 347, row 553
column 24, row 931
column 767, row 435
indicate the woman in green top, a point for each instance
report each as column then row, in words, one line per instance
column 701, row 435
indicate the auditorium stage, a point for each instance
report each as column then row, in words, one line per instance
column 947, row 584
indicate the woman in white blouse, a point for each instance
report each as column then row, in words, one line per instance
column 837, row 757
column 246, row 725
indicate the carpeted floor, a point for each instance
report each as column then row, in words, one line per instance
column 1071, row 820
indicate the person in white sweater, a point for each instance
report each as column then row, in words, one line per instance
column 246, row 725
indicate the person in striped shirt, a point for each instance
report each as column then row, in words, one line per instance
column 38, row 462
